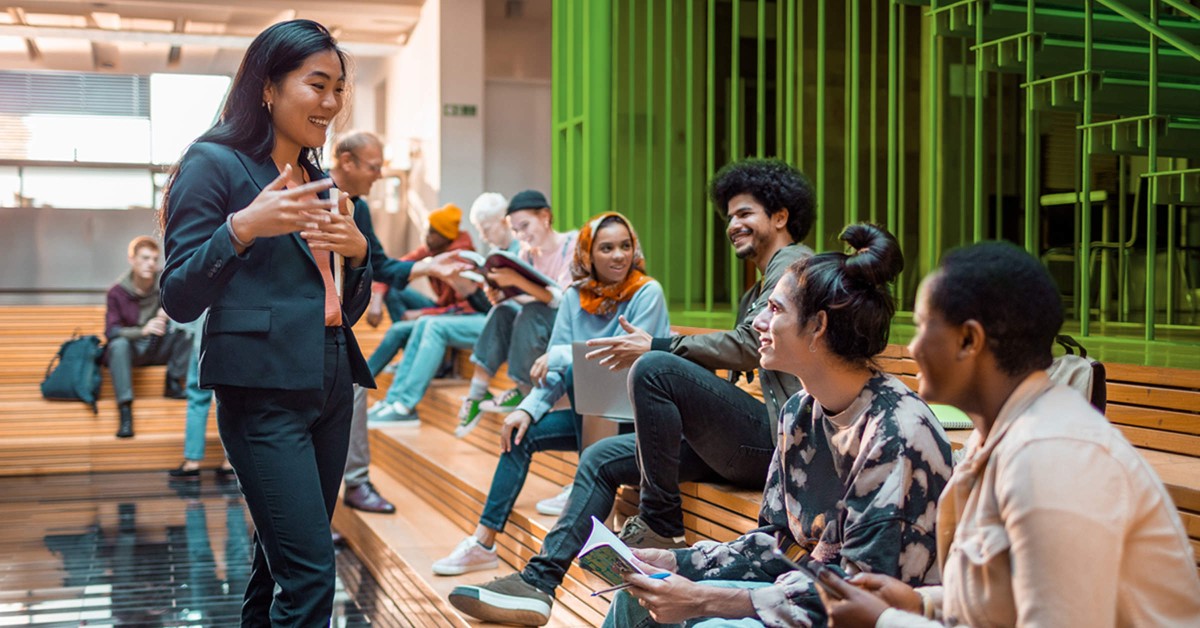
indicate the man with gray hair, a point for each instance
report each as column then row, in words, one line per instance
column 358, row 164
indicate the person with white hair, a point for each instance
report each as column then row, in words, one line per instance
column 518, row 328
column 487, row 216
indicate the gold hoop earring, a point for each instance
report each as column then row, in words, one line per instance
column 812, row 347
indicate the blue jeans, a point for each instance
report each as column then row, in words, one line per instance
column 560, row 430
column 603, row 468
column 392, row 342
column 625, row 611
column 517, row 334
column 426, row 347
column 400, row 301
column 198, row 400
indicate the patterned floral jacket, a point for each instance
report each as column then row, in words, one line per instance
column 858, row 489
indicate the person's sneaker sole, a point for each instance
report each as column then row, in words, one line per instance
column 462, row 430
column 548, row 512
column 505, row 609
column 393, row 423
column 458, row 570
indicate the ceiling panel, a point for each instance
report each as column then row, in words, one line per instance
column 131, row 32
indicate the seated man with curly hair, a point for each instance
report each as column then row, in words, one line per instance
column 686, row 416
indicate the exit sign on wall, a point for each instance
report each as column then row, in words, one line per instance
column 461, row 111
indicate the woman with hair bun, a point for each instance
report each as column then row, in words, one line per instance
column 859, row 462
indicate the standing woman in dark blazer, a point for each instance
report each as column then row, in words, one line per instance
column 250, row 236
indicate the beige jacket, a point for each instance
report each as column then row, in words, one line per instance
column 1056, row 520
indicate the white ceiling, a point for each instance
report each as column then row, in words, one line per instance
column 145, row 36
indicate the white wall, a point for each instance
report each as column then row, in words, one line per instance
column 462, row 55
column 517, row 119
column 517, row 136
column 411, row 82
column 462, row 52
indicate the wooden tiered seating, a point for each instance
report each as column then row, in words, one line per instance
column 39, row 436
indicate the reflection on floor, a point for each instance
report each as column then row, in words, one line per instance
column 134, row 549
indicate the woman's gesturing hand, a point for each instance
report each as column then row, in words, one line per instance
column 276, row 211
column 337, row 232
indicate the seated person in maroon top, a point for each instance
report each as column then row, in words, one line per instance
column 138, row 331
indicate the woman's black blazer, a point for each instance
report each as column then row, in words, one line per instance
column 266, row 318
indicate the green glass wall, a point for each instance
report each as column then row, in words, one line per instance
column 1070, row 127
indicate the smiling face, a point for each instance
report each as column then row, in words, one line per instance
column 612, row 252
column 530, row 226
column 750, row 228
column 306, row 100
column 780, row 339
column 360, row 169
column 937, row 349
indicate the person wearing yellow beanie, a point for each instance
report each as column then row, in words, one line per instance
column 445, row 221
column 424, row 333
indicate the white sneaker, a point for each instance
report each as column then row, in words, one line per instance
column 384, row 413
column 469, row 555
column 553, row 506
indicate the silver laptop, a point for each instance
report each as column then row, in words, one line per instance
column 599, row 391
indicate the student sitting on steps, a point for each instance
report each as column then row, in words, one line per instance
column 610, row 282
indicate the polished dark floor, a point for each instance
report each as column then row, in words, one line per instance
column 135, row 549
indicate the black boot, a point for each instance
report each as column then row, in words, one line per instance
column 126, row 428
column 173, row 389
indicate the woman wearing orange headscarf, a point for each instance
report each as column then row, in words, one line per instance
column 610, row 283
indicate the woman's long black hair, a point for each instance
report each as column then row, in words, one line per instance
column 245, row 122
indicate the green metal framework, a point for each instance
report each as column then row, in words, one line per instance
column 948, row 121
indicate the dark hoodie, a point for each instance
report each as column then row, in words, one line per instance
column 129, row 310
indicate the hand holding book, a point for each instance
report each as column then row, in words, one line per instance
column 607, row 556
column 503, row 271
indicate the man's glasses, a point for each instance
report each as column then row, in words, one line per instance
column 376, row 168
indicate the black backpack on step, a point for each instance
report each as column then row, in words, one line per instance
column 74, row 373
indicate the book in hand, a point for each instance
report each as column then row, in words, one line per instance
column 504, row 259
column 607, row 556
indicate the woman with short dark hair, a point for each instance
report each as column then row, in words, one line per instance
column 1052, row 518
column 251, row 237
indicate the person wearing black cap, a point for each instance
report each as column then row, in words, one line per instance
column 518, row 330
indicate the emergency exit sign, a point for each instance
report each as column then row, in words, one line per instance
column 459, row 111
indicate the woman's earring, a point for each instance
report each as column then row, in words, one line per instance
column 268, row 106
column 812, row 346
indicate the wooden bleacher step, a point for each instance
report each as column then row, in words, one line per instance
column 426, row 527
column 452, row 477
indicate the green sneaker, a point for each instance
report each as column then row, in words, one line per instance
column 468, row 414
column 505, row 404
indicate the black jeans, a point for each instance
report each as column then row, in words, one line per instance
column 289, row 449
column 603, row 468
column 677, row 400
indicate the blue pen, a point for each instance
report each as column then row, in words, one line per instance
column 662, row 575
